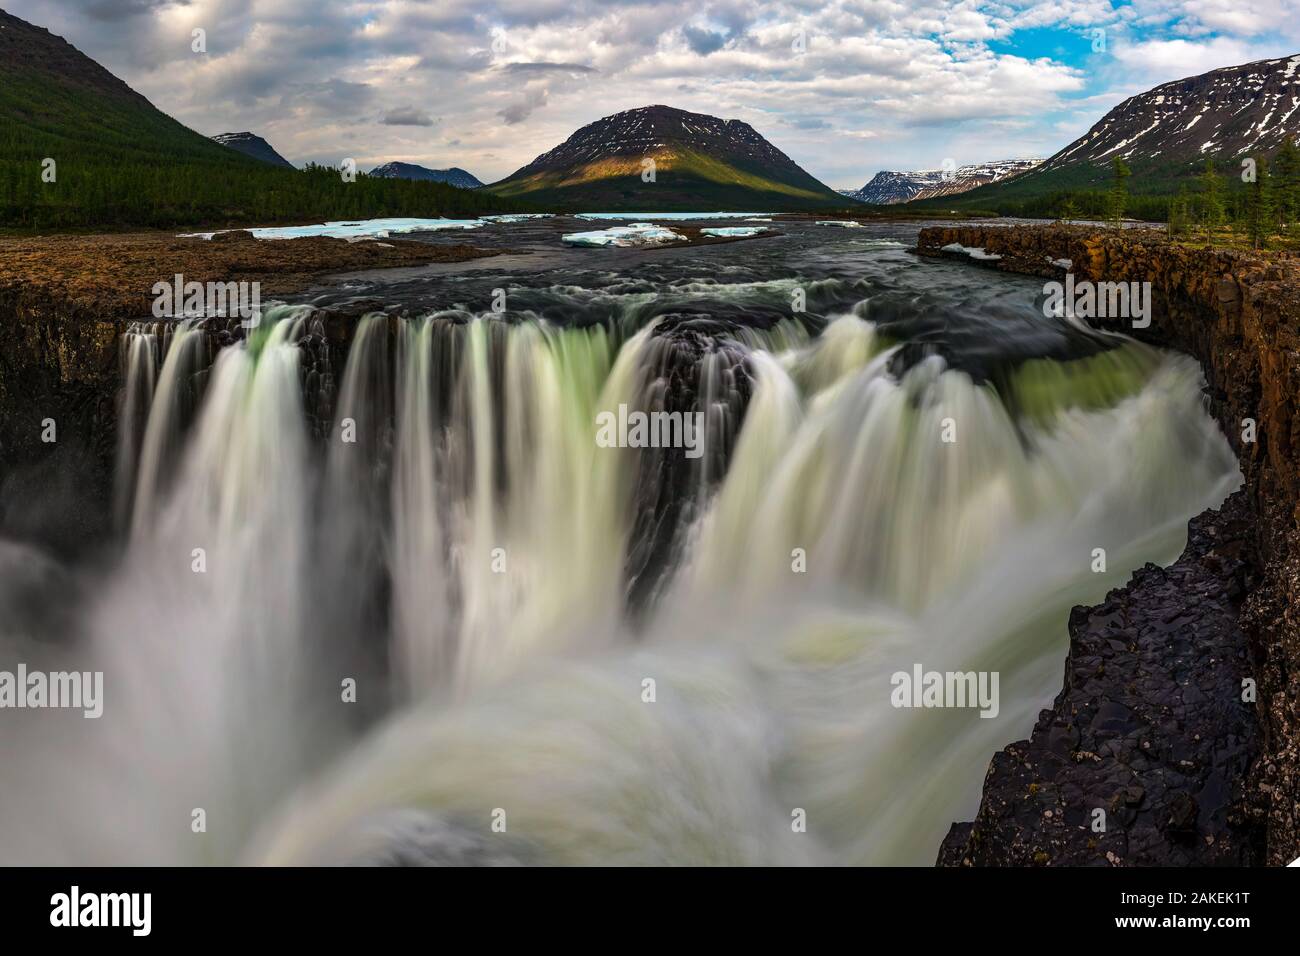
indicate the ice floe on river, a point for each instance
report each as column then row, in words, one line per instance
column 975, row 252
column 734, row 232
column 637, row 234
column 666, row 216
column 354, row 228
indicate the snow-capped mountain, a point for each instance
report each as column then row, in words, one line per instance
column 887, row 188
column 253, row 145
column 695, row 158
column 454, row 176
column 1221, row 114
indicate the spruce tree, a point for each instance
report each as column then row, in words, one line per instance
column 1117, row 196
column 1286, row 184
column 1211, row 201
column 1259, row 206
column 1180, row 212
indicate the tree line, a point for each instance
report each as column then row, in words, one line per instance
column 164, row 195
column 1266, row 207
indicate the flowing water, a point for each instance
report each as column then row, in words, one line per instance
column 391, row 602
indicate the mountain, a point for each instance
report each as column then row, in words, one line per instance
column 1164, row 136
column 1224, row 114
column 117, row 161
column 887, row 188
column 455, row 176
column 252, row 145
column 701, row 162
column 54, row 96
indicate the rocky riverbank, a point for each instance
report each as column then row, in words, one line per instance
column 1164, row 658
column 65, row 301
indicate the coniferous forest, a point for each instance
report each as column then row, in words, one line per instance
column 76, row 155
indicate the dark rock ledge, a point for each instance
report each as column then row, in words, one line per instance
column 1161, row 661
column 1150, row 728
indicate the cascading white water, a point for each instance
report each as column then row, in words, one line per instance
column 199, row 635
column 474, row 508
column 485, row 576
column 167, row 413
column 772, row 686
column 139, row 362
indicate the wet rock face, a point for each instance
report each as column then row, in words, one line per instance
column 1143, row 758
column 1239, row 314
column 58, row 394
column 693, row 367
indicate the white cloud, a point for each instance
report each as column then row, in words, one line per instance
column 489, row 84
column 1152, row 62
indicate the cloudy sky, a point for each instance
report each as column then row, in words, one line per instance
column 845, row 87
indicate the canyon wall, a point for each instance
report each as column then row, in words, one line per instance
column 58, row 394
column 1239, row 314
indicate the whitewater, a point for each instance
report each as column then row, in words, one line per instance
column 389, row 600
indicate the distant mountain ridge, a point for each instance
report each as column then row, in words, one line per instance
column 253, row 145
column 888, row 188
column 1164, row 136
column 1225, row 113
column 698, row 161
column 452, row 176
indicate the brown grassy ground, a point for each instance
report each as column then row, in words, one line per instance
column 117, row 272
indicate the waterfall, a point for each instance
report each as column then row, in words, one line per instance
column 772, row 693
column 172, row 408
column 200, row 632
column 637, row 656
column 138, row 351
column 511, row 535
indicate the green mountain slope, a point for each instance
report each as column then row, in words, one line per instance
column 120, row 162
column 700, row 163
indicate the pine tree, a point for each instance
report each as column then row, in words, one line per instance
column 1117, row 196
column 1259, row 206
column 1286, row 184
column 1180, row 212
column 1211, row 201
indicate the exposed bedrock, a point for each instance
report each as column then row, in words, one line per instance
column 1239, row 314
column 1143, row 758
column 694, row 369
column 58, row 393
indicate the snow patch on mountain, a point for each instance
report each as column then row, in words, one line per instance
column 1225, row 113
column 889, row 187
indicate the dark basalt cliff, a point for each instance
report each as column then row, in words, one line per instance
column 58, row 387
column 1239, row 314
column 1144, row 756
